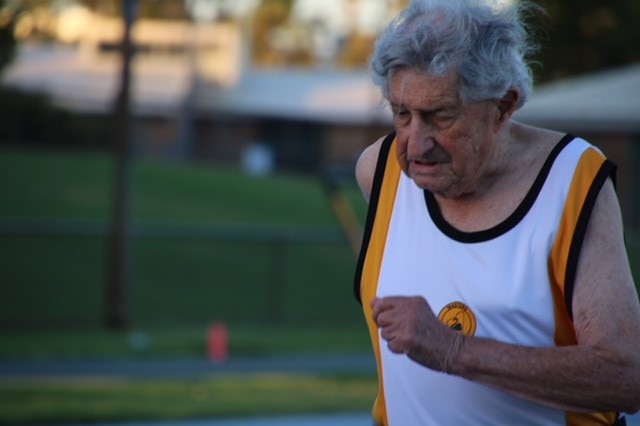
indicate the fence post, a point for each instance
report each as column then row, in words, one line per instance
column 117, row 291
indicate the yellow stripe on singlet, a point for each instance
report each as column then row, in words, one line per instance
column 373, row 262
column 588, row 167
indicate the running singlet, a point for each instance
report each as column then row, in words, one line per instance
column 512, row 283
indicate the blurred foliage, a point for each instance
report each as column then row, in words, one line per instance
column 156, row 9
column 582, row 36
column 575, row 36
column 356, row 51
column 270, row 17
column 7, row 41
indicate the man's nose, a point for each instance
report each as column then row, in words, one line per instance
column 420, row 138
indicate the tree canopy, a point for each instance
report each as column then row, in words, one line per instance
column 7, row 41
column 581, row 36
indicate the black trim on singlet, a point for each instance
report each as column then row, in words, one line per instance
column 374, row 197
column 607, row 170
column 621, row 421
column 509, row 222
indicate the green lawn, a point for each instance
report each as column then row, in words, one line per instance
column 244, row 340
column 275, row 296
column 240, row 277
column 105, row 399
column 37, row 184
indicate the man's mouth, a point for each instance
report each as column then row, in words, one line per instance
column 423, row 166
column 427, row 162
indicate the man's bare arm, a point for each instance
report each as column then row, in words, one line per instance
column 366, row 167
column 601, row 372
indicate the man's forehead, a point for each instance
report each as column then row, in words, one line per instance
column 408, row 84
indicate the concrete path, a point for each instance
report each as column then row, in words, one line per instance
column 353, row 419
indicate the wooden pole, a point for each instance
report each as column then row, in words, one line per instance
column 118, row 314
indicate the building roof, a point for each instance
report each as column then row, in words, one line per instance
column 161, row 86
column 90, row 83
column 316, row 95
column 602, row 101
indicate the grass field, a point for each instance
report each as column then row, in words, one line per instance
column 276, row 296
column 90, row 400
column 59, row 281
column 244, row 340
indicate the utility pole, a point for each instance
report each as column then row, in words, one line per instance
column 119, row 262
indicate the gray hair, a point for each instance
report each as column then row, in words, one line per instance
column 485, row 44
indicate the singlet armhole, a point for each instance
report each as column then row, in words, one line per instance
column 374, row 198
column 606, row 171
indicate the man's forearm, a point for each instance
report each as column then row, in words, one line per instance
column 571, row 378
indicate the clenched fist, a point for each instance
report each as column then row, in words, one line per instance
column 410, row 327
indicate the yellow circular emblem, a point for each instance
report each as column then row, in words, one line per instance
column 458, row 316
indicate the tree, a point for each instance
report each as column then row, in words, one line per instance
column 270, row 15
column 581, row 36
column 7, row 40
column 154, row 9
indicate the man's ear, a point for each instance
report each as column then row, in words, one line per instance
column 507, row 104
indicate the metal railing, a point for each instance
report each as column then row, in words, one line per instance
column 277, row 239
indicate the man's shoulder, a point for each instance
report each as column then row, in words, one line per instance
column 536, row 136
column 366, row 166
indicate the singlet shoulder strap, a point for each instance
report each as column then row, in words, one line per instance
column 374, row 199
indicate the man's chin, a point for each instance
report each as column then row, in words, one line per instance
column 425, row 183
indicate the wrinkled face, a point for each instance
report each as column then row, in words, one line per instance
column 444, row 146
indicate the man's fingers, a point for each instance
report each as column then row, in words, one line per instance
column 395, row 347
column 374, row 302
column 381, row 305
column 386, row 333
column 377, row 307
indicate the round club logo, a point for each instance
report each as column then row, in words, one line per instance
column 459, row 317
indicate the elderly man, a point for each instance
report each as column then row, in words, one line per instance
column 493, row 273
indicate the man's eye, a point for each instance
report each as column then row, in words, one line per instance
column 443, row 120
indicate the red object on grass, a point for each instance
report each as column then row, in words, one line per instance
column 217, row 342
